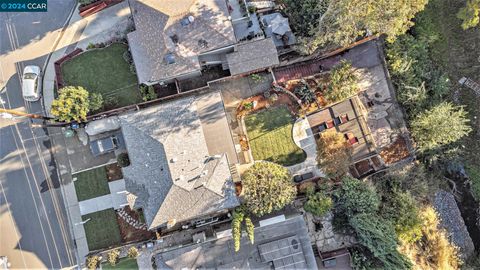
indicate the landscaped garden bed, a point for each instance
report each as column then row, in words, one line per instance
column 106, row 72
column 91, row 184
column 114, row 172
column 128, row 232
column 395, row 152
column 102, row 230
column 270, row 136
column 123, row 263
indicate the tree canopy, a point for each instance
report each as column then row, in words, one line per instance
column 441, row 125
column 355, row 197
column 72, row 104
column 318, row 204
column 378, row 236
column 333, row 153
column 343, row 82
column 267, row 187
column 342, row 22
column 470, row 14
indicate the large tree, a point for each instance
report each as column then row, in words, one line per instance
column 333, row 153
column 267, row 187
column 441, row 125
column 343, row 82
column 72, row 104
column 378, row 236
column 356, row 197
column 342, row 21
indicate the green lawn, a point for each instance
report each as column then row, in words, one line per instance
column 92, row 183
column 104, row 71
column 102, row 229
column 124, row 263
column 270, row 136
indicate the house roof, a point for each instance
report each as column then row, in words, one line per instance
column 172, row 176
column 254, row 55
column 176, row 31
column 283, row 245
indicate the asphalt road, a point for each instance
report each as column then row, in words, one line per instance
column 33, row 224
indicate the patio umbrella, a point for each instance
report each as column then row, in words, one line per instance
column 280, row 25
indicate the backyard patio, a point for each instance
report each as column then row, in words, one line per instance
column 270, row 136
column 104, row 71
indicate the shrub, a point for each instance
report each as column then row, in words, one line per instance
column 96, row 102
column 250, row 228
column 148, row 92
column 123, row 160
column 112, row 256
column 473, row 173
column 238, row 217
column 256, row 77
column 92, row 262
column 318, row 204
column 132, row 252
column 305, row 94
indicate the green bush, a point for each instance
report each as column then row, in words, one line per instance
column 250, row 228
column 304, row 93
column 123, row 160
column 238, row 217
column 148, row 92
column 318, row 204
column 95, row 102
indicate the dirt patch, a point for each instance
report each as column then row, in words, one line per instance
column 395, row 152
column 261, row 102
column 114, row 172
column 128, row 232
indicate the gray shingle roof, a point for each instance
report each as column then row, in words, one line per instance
column 254, row 55
column 157, row 21
column 171, row 175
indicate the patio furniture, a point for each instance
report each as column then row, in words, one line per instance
column 330, row 124
column 351, row 139
column 337, row 121
column 344, row 118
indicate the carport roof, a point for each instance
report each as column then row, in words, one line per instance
column 251, row 56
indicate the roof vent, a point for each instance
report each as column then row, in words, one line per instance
column 173, row 160
column 170, row 58
column 202, row 43
column 204, row 173
column 191, row 19
column 174, row 38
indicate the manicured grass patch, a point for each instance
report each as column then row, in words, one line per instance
column 91, row 184
column 474, row 175
column 270, row 136
column 102, row 229
column 124, row 263
column 104, row 71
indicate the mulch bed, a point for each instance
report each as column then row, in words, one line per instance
column 395, row 152
column 128, row 232
column 283, row 99
column 114, row 172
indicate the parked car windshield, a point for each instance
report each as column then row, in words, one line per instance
column 29, row 76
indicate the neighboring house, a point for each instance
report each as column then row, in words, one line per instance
column 277, row 27
column 175, row 174
column 176, row 39
column 283, row 245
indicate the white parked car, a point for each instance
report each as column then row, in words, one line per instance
column 31, row 83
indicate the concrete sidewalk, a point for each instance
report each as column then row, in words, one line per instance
column 101, row 27
column 116, row 199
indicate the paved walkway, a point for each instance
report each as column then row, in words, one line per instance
column 116, row 199
column 303, row 138
column 80, row 32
